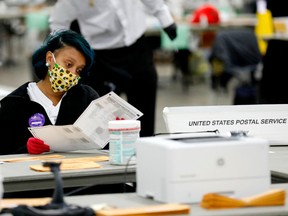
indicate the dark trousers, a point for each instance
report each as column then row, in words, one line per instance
column 131, row 71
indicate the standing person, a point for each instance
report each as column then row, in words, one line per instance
column 58, row 98
column 115, row 29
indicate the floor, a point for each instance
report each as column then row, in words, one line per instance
column 15, row 70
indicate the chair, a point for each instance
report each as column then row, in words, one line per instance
column 235, row 54
column 272, row 88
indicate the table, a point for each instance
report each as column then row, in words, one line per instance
column 11, row 13
column 133, row 200
column 17, row 21
column 18, row 176
column 126, row 200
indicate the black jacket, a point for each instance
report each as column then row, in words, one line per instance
column 17, row 108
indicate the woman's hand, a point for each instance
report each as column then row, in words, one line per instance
column 37, row 146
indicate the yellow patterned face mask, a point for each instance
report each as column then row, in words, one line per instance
column 62, row 79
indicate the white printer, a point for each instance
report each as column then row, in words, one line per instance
column 182, row 168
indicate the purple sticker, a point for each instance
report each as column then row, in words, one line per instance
column 37, row 120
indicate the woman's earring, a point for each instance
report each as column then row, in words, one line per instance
column 47, row 64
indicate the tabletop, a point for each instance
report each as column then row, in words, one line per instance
column 126, row 200
column 18, row 176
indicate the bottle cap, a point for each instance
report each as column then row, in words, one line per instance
column 124, row 125
column 261, row 6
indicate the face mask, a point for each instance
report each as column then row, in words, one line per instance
column 62, row 79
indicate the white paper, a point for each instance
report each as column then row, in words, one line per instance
column 90, row 130
column 266, row 121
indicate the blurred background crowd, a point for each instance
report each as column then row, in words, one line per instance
column 220, row 56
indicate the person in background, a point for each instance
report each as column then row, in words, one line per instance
column 124, row 61
column 58, row 98
column 278, row 8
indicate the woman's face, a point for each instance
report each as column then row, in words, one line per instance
column 69, row 58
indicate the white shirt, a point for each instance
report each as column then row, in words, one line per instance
column 109, row 23
column 37, row 95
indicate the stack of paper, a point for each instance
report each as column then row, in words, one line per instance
column 32, row 158
column 162, row 209
column 73, row 164
column 272, row 197
column 12, row 202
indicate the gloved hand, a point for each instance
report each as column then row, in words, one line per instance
column 36, row 146
column 118, row 118
column 171, row 31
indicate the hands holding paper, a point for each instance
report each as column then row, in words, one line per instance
column 89, row 131
column 36, row 146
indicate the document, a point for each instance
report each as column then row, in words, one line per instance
column 90, row 131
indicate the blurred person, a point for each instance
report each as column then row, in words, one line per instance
column 115, row 29
column 278, row 8
column 58, row 98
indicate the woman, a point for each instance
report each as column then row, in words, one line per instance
column 58, row 98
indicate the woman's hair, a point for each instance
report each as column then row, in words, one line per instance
column 57, row 40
